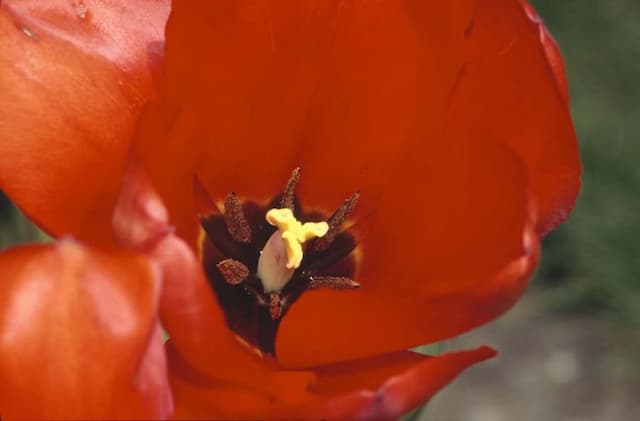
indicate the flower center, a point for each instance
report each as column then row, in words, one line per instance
column 274, row 268
column 261, row 259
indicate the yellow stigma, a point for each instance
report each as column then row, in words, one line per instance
column 295, row 233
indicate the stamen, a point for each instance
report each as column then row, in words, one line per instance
column 274, row 300
column 289, row 195
column 335, row 222
column 235, row 219
column 258, row 272
column 233, row 271
column 333, row 282
column 276, row 305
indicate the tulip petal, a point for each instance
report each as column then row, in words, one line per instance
column 199, row 335
column 243, row 124
column 390, row 386
column 140, row 219
column 459, row 170
column 292, row 71
column 514, row 89
column 79, row 336
column 199, row 396
column 387, row 386
column 369, row 324
column 73, row 77
column 445, row 256
column 188, row 308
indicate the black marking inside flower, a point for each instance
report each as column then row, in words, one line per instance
column 234, row 241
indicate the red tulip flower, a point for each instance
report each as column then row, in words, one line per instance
column 314, row 188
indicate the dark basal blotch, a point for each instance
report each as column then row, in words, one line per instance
column 256, row 292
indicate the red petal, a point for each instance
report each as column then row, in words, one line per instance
column 514, row 89
column 393, row 385
column 199, row 396
column 195, row 322
column 551, row 49
column 294, row 71
column 140, row 219
column 188, row 308
column 79, row 335
column 435, row 260
column 255, row 115
column 73, row 77
column 386, row 386
column 446, row 116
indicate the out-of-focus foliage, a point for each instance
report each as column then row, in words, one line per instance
column 14, row 227
column 592, row 263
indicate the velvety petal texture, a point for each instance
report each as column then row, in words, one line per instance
column 450, row 118
column 73, row 77
column 79, row 335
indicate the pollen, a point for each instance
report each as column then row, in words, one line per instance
column 295, row 233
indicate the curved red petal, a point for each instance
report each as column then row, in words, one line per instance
column 188, row 307
column 79, row 336
column 551, row 49
column 447, row 117
column 514, row 89
column 306, row 73
column 73, row 77
column 434, row 261
column 198, row 396
column 140, row 219
column 387, row 386
column 195, row 322
column 234, row 124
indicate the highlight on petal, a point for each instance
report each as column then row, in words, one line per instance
column 387, row 386
column 73, row 77
column 79, row 336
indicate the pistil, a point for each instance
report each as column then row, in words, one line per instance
column 283, row 251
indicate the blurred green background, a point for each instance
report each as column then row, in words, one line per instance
column 587, row 291
column 591, row 264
